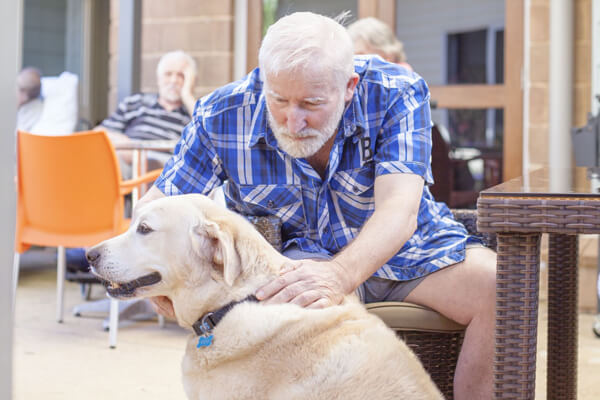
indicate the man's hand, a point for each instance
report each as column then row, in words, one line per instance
column 308, row 283
column 189, row 80
column 163, row 306
column 187, row 89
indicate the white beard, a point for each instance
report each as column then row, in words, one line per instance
column 171, row 93
column 315, row 138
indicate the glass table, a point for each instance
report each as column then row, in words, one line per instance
column 518, row 212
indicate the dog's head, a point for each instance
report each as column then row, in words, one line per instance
column 175, row 245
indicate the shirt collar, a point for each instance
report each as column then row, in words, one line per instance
column 260, row 126
column 353, row 117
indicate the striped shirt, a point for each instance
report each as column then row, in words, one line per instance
column 386, row 129
column 141, row 117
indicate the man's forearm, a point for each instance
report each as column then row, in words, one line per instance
column 189, row 101
column 382, row 236
column 397, row 200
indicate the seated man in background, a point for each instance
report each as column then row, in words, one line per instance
column 29, row 100
column 155, row 116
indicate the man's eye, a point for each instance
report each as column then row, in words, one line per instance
column 143, row 229
column 311, row 104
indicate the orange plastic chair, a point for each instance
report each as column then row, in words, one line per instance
column 69, row 194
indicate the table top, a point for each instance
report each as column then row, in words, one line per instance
column 537, row 203
column 548, row 182
column 138, row 144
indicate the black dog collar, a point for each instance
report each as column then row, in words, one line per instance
column 206, row 323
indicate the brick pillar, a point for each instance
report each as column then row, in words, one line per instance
column 539, row 47
column 202, row 29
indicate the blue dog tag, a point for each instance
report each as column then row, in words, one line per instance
column 204, row 341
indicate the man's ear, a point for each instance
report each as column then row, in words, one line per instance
column 350, row 86
column 225, row 253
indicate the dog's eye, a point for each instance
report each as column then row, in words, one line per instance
column 143, row 229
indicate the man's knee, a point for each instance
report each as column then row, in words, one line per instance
column 482, row 265
column 462, row 291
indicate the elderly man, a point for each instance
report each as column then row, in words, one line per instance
column 339, row 149
column 156, row 116
column 29, row 101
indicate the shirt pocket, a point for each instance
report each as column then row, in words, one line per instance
column 282, row 201
column 354, row 196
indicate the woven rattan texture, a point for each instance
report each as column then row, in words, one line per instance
column 469, row 219
column 562, row 313
column 517, row 291
column 269, row 227
column 552, row 215
column 439, row 353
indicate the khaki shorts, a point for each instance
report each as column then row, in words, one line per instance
column 373, row 289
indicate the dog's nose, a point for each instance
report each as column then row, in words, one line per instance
column 92, row 255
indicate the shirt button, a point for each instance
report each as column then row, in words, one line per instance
column 355, row 189
column 270, row 204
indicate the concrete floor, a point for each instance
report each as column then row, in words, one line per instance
column 72, row 360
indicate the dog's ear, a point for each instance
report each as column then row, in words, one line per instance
column 225, row 253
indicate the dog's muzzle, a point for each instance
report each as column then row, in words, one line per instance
column 121, row 289
column 128, row 289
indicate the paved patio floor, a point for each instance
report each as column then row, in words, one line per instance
column 72, row 360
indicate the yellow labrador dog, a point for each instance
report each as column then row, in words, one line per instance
column 209, row 261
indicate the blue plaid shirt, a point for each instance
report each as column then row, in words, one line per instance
column 386, row 129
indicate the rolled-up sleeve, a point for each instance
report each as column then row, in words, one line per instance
column 404, row 141
column 195, row 166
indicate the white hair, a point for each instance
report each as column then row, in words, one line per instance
column 177, row 54
column 304, row 39
column 378, row 36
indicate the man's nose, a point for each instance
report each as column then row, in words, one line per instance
column 172, row 78
column 295, row 120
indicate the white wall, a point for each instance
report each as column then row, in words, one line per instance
column 423, row 25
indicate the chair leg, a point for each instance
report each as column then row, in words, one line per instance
column 60, row 282
column 114, row 323
column 15, row 277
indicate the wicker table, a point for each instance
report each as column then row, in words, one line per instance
column 518, row 211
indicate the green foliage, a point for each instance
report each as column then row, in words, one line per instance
column 269, row 14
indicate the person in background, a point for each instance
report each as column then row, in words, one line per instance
column 29, row 101
column 372, row 36
column 155, row 116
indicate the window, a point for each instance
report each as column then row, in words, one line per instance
column 476, row 57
